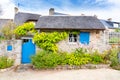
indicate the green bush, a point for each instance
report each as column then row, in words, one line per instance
column 114, row 57
column 117, row 30
column 114, row 40
column 45, row 59
column 80, row 51
column 78, row 59
column 96, row 57
column 5, row 62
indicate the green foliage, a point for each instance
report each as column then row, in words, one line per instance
column 78, row 59
column 2, row 37
column 7, row 30
column 5, row 62
column 80, row 51
column 117, row 30
column 114, row 57
column 46, row 59
column 47, row 41
column 114, row 40
column 24, row 29
column 75, row 32
column 97, row 57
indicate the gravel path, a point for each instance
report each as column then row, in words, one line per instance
column 82, row 74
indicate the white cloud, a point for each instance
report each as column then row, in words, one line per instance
column 67, row 7
column 113, row 11
column 7, row 9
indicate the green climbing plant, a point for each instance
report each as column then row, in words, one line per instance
column 47, row 41
column 24, row 29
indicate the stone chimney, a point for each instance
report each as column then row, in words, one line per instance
column 51, row 11
column 109, row 19
column 95, row 16
column 16, row 10
column 82, row 14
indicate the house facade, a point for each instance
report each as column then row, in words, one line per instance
column 89, row 30
column 84, row 31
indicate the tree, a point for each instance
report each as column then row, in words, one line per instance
column 7, row 30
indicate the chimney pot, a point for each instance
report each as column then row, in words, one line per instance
column 51, row 11
column 82, row 14
column 95, row 16
column 16, row 10
column 109, row 19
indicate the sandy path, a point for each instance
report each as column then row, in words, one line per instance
column 82, row 74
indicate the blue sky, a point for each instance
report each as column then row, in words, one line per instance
column 102, row 8
column 62, row 5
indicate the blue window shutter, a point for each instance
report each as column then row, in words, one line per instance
column 84, row 37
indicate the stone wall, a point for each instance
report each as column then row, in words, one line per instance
column 15, row 53
column 97, row 42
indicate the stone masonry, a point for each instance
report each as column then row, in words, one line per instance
column 15, row 53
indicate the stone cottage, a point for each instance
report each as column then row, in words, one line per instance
column 90, row 30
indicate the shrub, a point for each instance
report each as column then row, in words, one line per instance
column 45, row 59
column 79, row 57
column 7, row 30
column 80, row 51
column 114, row 57
column 62, row 58
column 5, row 62
column 96, row 57
column 117, row 30
column 114, row 40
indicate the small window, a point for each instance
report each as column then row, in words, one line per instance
column 116, row 25
column 25, row 40
column 72, row 37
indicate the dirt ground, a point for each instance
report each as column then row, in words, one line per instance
column 82, row 74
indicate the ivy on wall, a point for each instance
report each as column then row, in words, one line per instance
column 47, row 41
column 24, row 29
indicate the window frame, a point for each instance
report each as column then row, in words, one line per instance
column 73, row 37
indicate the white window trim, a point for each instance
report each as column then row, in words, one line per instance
column 73, row 42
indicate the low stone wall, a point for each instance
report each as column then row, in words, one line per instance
column 87, row 66
column 14, row 52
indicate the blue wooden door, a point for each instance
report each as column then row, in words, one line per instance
column 84, row 37
column 28, row 49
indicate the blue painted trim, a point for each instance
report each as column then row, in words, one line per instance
column 28, row 49
column 84, row 37
column 9, row 48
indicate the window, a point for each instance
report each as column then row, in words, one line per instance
column 116, row 25
column 72, row 37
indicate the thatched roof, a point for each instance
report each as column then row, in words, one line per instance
column 21, row 17
column 69, row 22
column 3, row 22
